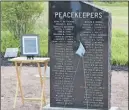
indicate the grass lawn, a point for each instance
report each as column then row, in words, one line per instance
column 119, row 48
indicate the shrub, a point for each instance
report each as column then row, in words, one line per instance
column 19, row 17
column 8, row 41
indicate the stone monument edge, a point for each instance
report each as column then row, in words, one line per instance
column 47, row 107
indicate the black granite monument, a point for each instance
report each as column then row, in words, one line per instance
column 79, row 49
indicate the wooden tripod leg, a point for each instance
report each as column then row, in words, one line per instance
column 18, row 71
column 43, row 98
column 44, row 81
column 16, row 93
column 40, row 74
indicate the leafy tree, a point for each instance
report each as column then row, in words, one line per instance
column 19, row 17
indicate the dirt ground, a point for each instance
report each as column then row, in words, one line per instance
column 32, row 88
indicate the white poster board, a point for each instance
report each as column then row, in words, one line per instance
column 11, row 52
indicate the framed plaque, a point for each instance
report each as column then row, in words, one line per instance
column 30, row 45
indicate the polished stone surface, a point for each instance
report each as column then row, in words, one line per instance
column 79, row 49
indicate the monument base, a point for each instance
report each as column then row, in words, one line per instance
column 47, row 107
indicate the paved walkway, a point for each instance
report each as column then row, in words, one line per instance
column 31, row 87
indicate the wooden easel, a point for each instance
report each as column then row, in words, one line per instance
column 38, row 61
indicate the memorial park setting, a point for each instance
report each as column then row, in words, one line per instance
column 64, row 55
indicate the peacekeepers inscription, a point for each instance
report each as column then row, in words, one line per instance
column 79, row 55
column 78, row 14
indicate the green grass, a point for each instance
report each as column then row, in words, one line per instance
column 119, row 48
